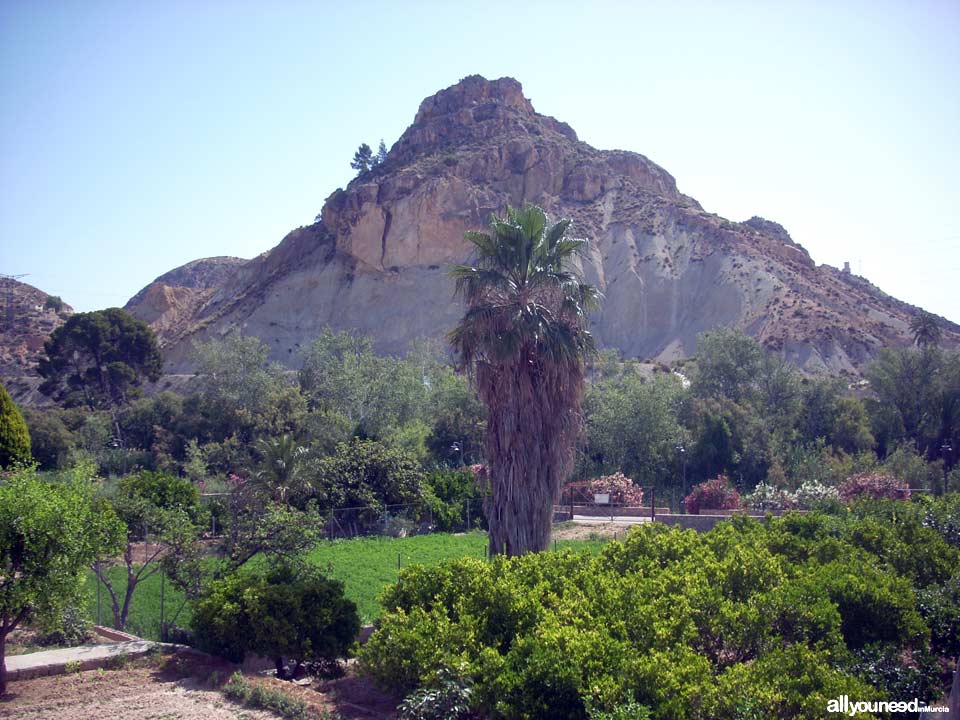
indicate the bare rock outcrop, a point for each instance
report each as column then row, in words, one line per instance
column 25, row 324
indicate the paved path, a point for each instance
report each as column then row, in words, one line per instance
column 54, row 662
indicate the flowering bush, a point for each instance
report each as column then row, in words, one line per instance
column 622, row 489
column 716, row 494
column 768, row 497
column 875, row 485
column 813, row 495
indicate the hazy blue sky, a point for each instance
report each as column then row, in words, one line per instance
column 137, row 136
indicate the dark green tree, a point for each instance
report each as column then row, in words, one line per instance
column 362, row 159
column 99, row 359
column 50, row 439
column 53, row 302
column 381, row 153
column 289, row 611
column 14, row 436
column 524, row 340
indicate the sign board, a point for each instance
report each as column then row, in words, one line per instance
column 601, row 498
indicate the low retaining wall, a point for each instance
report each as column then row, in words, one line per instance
column 700, row 523
column 614, row 510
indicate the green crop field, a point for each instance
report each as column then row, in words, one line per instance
column 365, row 565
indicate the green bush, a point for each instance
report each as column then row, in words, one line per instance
column 448, row 699
column 259, row 696
column 750, row 620
column 279, row 612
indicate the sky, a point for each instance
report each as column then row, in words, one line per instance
column 136, row 136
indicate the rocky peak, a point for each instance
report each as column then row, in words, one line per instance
column 473, row 110
column 474, row 93
column 768, row 227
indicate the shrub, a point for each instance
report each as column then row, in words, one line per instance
column 68, row 627
column 621, row 489
column 259, row 696
column 281, row 612
column 814, row 495
column 766, row 497
column 875, row 485
column 715, row 494
column 448, row 698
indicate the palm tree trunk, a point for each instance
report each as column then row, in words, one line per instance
column 529, row 443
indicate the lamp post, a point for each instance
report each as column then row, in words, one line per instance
column 458, row 447
column 945, row 451
column 682, row 455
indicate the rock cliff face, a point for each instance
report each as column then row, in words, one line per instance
column 173, row 299
column 25, row 324
column 377, row 259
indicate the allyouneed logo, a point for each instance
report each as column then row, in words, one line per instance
column 845, row 705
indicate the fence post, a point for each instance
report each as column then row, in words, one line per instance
column 467, row 501
column 163, row 630
column 653, row 503
column 398, row 562
column 99, row 583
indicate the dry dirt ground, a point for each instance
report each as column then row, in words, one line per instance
column 588, row 531
column 173, row 688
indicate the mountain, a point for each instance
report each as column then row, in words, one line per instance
column 377, row 258
column 26, row 322
column 177, row 296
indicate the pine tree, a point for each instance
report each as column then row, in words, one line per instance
column 381, row 153
column 362, row 159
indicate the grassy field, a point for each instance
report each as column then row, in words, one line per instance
column 365, row 565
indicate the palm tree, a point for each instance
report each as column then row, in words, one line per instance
column 524, row 339
column 280, row 474
column 926, row 330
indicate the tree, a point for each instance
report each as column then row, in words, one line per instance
column 364, row 473
column 159, row 510
column 381, row 153
column 99, row 359
column 925, row 329
column 632, row 427
column 50, row 439
column 524, row 340
column 242, row 393
column 14, row 436
column 286, row 611
column 49, row 533
column 362, row 159
column 281, row 471
column 342, row 375
column 53, row 302
column 728, row 364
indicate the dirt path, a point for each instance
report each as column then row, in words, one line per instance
column 174, row 688
column 589, row 531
